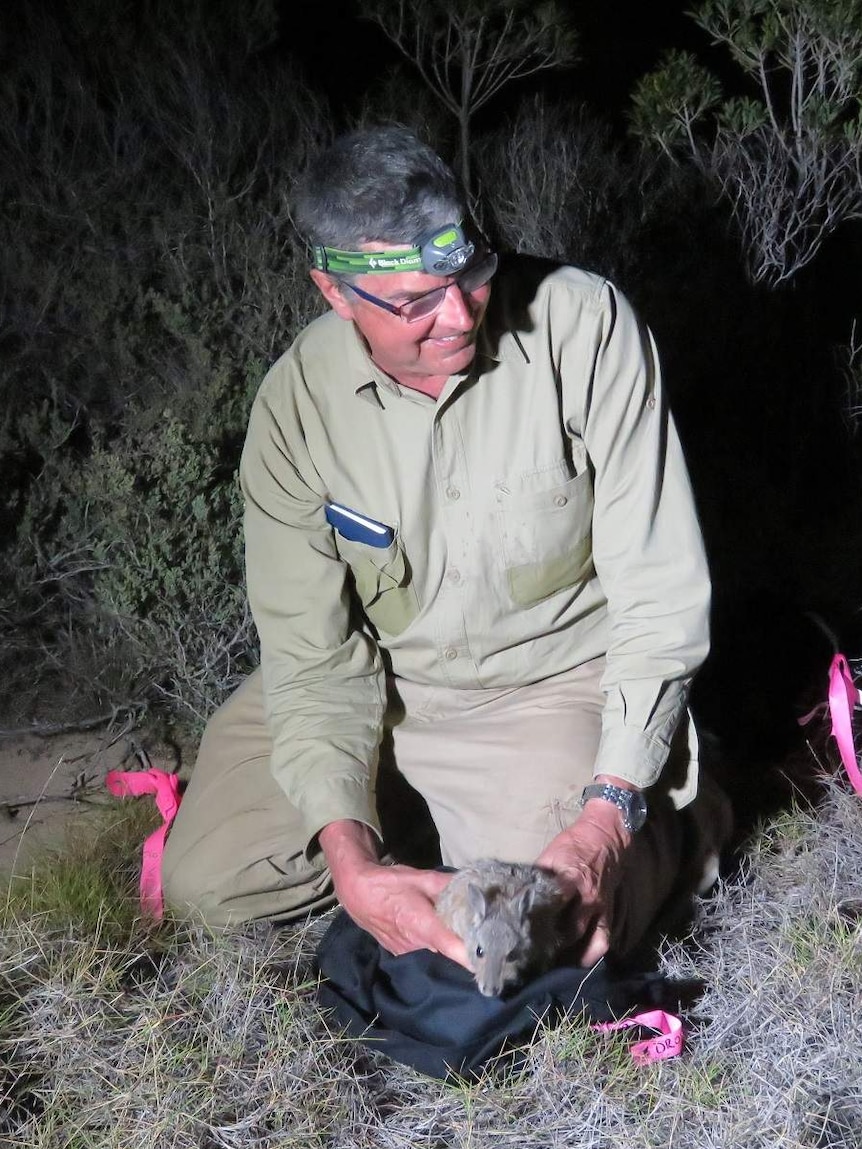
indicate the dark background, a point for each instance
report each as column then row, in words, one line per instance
column 617, row 43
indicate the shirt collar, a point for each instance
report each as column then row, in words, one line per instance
column 366, row 374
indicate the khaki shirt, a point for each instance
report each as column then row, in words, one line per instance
column 542, row 516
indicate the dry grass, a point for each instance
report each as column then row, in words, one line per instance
column 115, row 1034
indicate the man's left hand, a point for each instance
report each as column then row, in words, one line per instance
column 587, row 860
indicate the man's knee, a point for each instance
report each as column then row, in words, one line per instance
column 188, row 881
column 226, row 882
column 184, row 896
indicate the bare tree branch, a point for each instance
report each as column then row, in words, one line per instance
column 466, row 52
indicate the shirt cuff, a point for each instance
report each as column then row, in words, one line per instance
column 642, row 759
column 341, row 798
column 632, row 756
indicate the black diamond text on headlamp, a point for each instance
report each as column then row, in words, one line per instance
column 440, row 251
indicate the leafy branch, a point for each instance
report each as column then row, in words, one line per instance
column 788, row 157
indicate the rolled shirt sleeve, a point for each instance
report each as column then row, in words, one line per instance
column 322, row 673
column 647, row 549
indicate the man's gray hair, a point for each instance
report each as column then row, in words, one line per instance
column 375, row 184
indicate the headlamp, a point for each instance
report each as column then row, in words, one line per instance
column 439, row 251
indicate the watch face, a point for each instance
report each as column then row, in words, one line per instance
column 637, row 809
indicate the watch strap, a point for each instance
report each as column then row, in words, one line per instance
column 630, row 803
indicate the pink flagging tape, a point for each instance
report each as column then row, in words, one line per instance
column 842, row 697
column 667, row 1042
column 165, row 787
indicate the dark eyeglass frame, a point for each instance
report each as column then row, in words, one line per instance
column 485, row 267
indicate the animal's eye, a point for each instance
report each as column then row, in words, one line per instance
column 480, row 952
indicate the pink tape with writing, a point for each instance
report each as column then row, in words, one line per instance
column 668, row 1041
column 165, row 788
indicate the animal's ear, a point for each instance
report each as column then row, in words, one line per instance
column 523, row 900
column 477, row 901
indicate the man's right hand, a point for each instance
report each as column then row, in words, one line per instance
column 395, row 904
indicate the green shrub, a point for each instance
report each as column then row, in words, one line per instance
column 151, row 274
column 132, row 550
column 786, row 158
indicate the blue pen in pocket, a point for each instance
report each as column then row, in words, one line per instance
column 358, row 528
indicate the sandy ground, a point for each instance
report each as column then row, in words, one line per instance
column 48, row 782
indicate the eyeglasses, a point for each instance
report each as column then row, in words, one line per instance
column 421, row 306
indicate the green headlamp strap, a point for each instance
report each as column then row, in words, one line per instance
column 441, row 251
column 366, row 262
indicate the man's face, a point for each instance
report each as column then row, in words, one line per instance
column 422, row 354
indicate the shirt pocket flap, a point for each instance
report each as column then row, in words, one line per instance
column 547, row 538
column 530, row 583
column 383, row 583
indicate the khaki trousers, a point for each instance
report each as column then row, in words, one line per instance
column 501, row 772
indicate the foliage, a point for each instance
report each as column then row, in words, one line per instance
column 136, row 168
column 137, row 543
column 555, row 183
column 466, row 52
column 150, row 273
column 787, row 155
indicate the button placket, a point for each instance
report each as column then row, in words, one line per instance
column 453, row 493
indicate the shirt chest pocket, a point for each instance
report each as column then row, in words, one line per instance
column 547, row 536
column 383, row 583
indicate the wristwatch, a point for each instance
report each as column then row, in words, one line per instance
column 630, row 803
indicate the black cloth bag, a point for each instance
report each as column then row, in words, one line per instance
column 425, row 1011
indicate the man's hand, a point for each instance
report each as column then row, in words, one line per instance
column 587, row 859
column 395, row 904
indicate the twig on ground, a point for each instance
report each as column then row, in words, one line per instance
column 10, row 806
column 50, row 729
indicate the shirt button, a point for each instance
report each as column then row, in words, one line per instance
column 454, row 576
column 453, row 493
column 560, row 500
column 450, row 653
column 651, row 402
